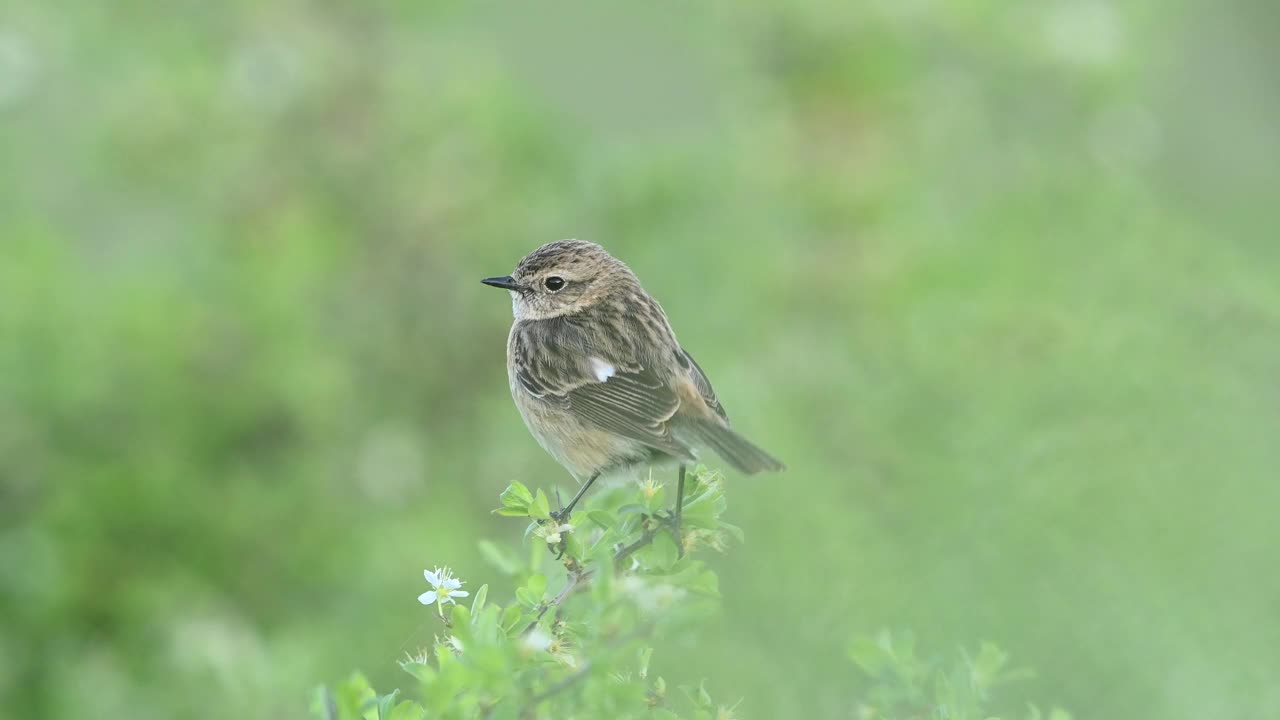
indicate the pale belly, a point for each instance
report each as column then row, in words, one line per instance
column 582, row 449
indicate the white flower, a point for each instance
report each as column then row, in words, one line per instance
column 553, row 534
column 444, row 586
column 537, row 640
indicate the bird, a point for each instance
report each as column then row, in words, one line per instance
column 600, row 379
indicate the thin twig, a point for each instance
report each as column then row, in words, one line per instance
column 645, row 538
column 574, row 580
column 627, row 551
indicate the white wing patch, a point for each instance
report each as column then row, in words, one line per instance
column 602, row 369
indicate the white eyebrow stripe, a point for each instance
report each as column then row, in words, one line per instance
column 602, row 369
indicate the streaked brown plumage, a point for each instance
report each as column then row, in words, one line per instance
column 598, row 374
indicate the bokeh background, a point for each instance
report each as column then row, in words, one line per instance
column 1000, row 281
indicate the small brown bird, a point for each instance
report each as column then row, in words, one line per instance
column 599, row 377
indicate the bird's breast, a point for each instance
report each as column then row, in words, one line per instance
column 581, row 448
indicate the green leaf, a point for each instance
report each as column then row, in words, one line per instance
column 511, row 618
column 704, row 520
column 527, row 598
column 460, row 620
column 512, row 511
column 662, row 554
column 699, row 695
column 573, row 547
column 324, row 706
column 537, row 551
column 537, row 585
column 603, row 518
column 985, row 669
column 646, row 654
column 516, row 495
column 408, row 710
column 628, row 525
column 422, row 672
column 386, row 703
column 540, row 508
column 477, row 603
column 352, row 696
column 733, row 530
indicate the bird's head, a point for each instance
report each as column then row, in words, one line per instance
column 561, row 278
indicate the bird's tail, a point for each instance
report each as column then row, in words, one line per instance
column 735, row 449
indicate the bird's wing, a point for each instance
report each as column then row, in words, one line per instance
column 622, row 396
column 701, row 382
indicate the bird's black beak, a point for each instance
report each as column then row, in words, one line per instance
column 506, row 282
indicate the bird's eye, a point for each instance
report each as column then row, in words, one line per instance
column 554, row 283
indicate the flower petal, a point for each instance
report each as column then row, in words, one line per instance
column 428, row 597
column 458, row 593
column 536, row 641
column 452, row 583
column 445, row 600
column 432, row 577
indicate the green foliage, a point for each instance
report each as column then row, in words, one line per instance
column 623, row 579
column 585, row 652
column 904, row 686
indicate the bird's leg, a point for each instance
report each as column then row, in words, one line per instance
column 562, row 546
column 676, row 525
column 561, row 515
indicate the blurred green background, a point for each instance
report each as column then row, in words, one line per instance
column 1000, row 281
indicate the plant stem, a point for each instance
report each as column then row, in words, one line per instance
column 569, row 587
column 645, row 538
